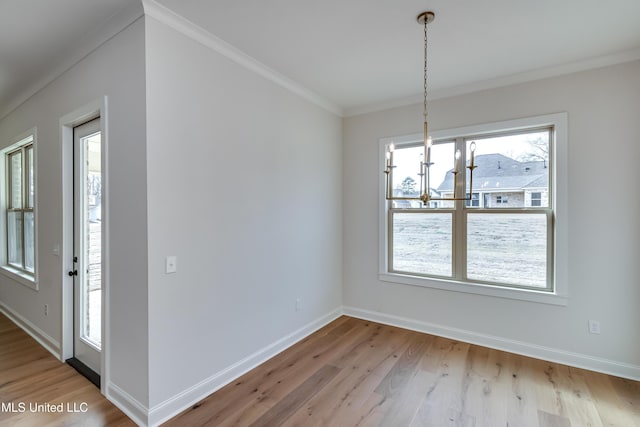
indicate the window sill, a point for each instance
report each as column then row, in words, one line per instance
column 478, row 289
column 19, row 276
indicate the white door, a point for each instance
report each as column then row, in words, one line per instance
column 87, row 247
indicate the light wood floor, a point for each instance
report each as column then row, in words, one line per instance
column 350, row 373
column 358, row 373
column 31, row 376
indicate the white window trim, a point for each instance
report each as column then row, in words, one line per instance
column 560, row 295
column 22, row 277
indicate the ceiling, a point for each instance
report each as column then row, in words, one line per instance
column 40, row 39
column 357, row 54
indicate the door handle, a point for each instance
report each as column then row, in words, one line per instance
column 73, row 273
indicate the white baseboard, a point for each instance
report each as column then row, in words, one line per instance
column 127, row 404
column 577, row 360
column 44, row 339
column 173, row 406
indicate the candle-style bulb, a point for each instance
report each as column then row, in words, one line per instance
column 388, row 155
column 472, row 147
column 429, row 142
column 391, row 148
column 458, row 154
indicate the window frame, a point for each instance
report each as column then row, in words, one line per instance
column 26, row 145
column 556, row 227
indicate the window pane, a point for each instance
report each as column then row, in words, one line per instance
column 31, row 188
column 29, row 241
column 441, row 178
column 422, row 243
column 14, row 238
column 15, row 180
column 407, row 181
column 511, row 169
column 507, row 248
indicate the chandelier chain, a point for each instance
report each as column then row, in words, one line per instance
column 425, row 70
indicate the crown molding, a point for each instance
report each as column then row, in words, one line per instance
column 513, row 79
column 78, row 51
column 179, row 23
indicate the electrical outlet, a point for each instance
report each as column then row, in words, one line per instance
column 170, row 264
column 297, row 304
column 46, row 309
column 594, row 326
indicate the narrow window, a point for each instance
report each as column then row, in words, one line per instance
column 19, row 202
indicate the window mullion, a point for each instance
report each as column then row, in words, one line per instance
column 8, row 201
column 25, row 181
column 460, row 244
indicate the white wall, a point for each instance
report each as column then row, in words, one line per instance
column 603, row 108
column 244, row 187
column 116, row 70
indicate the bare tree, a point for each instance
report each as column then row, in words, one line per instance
column 539, row 151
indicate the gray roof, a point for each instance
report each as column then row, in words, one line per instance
column 496, row 172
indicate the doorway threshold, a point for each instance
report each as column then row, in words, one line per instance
column 85, row 371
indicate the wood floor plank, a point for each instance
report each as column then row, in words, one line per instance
column 246, row 415
column 578, row 402
column 629, row 392
column 548, row 394
column 402, row 409
column 403, row 387
column 447, row 398
column 521, row 399
column 298, row 397
column 403, row 370
column 608, row 403
column 552, row 420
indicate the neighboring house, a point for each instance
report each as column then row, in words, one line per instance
column 502, row 182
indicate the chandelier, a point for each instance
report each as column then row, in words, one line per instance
column 425, row 164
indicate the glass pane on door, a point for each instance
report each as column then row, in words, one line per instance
column 91, row 286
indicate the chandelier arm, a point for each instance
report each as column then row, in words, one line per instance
column 447, row 199
column 403, row 198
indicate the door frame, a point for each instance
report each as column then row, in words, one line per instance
column 92, row 110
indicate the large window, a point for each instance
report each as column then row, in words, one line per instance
column 19, row 208
column 502, row 237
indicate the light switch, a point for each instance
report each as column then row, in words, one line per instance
column 170, row 264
